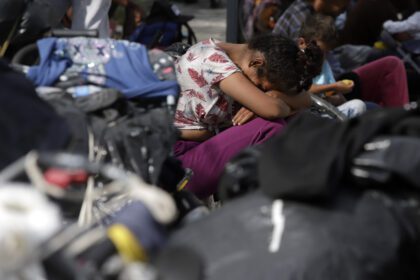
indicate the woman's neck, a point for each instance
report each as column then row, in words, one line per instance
column 240, row 54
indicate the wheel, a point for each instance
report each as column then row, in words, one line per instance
column 27, row 55
column 325, row 107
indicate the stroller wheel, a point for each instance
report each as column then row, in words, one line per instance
column 27, row 55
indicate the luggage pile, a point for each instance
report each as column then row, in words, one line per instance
column 338, row 202
column 90, row 189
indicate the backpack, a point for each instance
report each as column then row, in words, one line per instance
column 164, row 26
column 136, row 135
column 22, row 22
column 124, row 119
column 26, row 121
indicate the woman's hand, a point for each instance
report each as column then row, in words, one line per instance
column 299, row 101
column 243, row 116
column 295, row 102
column 243, row 91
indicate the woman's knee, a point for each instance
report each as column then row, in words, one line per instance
column 392, row 63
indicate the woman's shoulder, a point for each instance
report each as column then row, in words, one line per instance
column 206, row 48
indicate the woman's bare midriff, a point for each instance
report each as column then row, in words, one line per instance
column 198, row 135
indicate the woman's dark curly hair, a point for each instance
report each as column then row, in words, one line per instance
column 288, row 68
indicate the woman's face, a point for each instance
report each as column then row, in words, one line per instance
column 254, row 73
column 260, row 82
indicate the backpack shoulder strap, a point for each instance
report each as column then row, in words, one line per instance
column 191, row 38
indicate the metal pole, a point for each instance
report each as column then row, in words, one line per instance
column 232, row 21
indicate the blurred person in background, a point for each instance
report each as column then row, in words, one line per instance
column 291, row 21
column 364, row 20
column 382, row 81
column 133, row 16
column 260, row 16
column 84, row 14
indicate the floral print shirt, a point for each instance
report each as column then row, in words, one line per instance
column 202, row 104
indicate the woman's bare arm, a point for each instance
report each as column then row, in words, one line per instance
column 296, row 102
column 248, row 95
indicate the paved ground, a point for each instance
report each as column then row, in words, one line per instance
column 207, row 22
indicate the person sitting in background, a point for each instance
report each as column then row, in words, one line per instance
column 98, row 15
column 133, row 15
column 291, row 21
column 82, row 15
column 268, row 76
column 410, row 26
column 321, row 29
column 382, row 81
column 260, row 16
column 364, row 20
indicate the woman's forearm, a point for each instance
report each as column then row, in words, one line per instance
column 294, row 102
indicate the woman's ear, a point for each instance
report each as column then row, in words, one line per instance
column 301, row 43
column 258, row 60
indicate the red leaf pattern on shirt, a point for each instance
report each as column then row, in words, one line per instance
column 182, row 118
column 218, row 58
column 210, row 93
column 197, row 78
column 193, row 93
column 217, row 79
column 222, row 104
column 199, row 110
column 191, row 57
column 201, row 102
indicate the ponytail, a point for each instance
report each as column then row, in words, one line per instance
column 309, row 62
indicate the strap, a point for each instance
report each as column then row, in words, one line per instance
column 126, row 243
column 192, row 39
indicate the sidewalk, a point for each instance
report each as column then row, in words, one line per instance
column 207, row 22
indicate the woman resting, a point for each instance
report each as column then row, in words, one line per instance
column 268, row 77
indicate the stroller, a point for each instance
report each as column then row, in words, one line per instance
column 164, row 26
column 409, row 51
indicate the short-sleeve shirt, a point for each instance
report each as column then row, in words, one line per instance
column 291, row 21
column 326, row 76
column 202, row 104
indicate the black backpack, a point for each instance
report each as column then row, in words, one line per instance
column 164, row 26
column 26, row 121
column 136, row 135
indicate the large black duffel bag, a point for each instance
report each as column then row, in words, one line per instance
column 360, row 236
